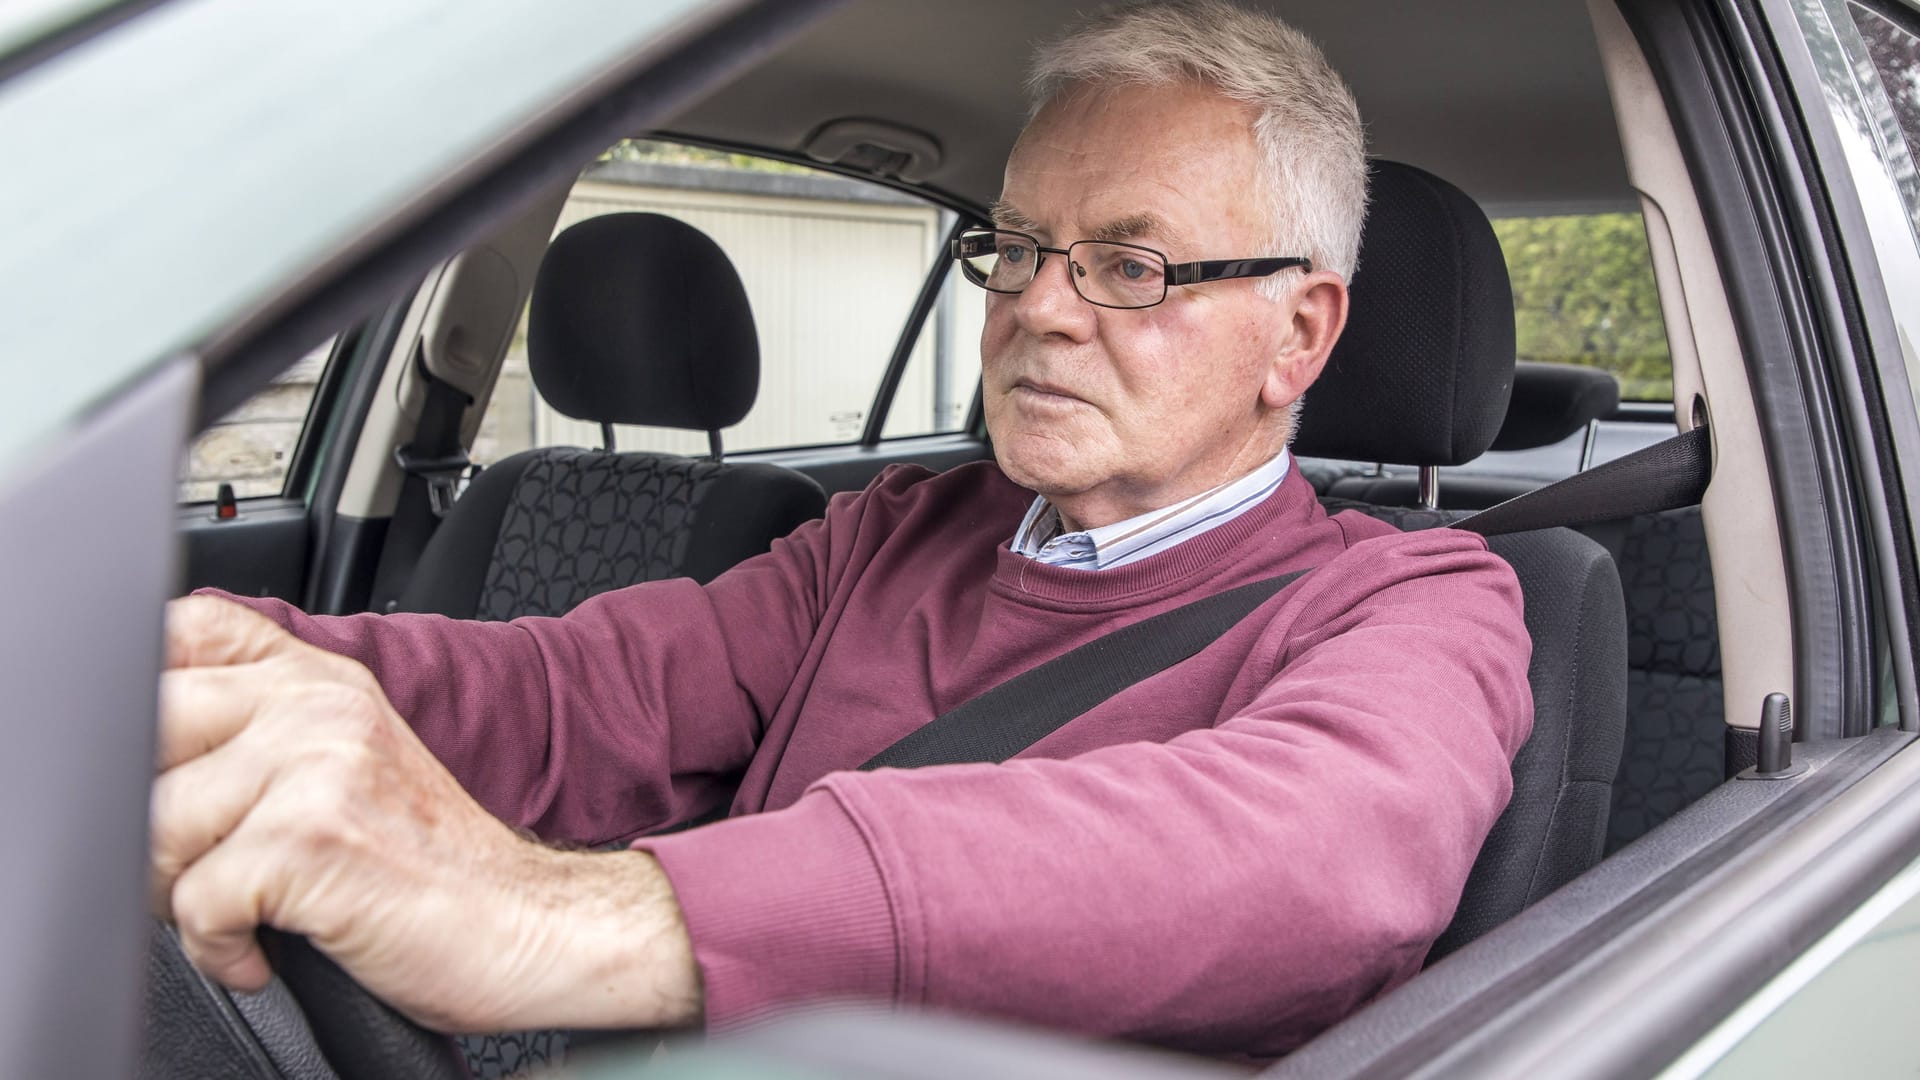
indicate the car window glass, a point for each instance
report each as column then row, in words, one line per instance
column 831, row 267
column 1583, row 293
column 943, row 373
column 1895, row 53
column 252, row 446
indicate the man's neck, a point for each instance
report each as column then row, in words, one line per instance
column 1122, row 512
column 1095, row 510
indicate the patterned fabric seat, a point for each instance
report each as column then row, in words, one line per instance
column 1675, row 747
column 1676, row 730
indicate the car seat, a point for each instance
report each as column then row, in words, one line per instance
column 1422, row 377
column 1676, row 748
column 635, row 319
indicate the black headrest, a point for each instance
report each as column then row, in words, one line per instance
column 1553, row 401
column 641, row 319
column 1422, row 373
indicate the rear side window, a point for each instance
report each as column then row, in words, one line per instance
column 831, row 267
column 1583, row 293
column 252, row 446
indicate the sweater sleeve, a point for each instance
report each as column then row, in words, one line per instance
column 635, row 711
column 1241, row 886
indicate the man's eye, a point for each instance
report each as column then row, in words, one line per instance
column 1013, row 253
column 1133, row 269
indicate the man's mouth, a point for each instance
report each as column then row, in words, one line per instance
column 1046, row 391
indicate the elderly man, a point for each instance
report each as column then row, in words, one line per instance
column 1227, row 856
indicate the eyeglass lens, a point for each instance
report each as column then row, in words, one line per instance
column 1118, row 276
column 1112, row 275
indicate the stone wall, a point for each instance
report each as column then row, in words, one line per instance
column 252, row 446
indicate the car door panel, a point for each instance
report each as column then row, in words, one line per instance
column 262, row 551
column 80, row 669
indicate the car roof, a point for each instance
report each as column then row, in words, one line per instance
column 1502, row 97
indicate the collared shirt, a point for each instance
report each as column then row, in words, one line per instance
column 1039, row 537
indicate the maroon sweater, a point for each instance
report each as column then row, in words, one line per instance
column 1227, row 857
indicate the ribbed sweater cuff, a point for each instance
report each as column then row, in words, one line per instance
column 784, row 908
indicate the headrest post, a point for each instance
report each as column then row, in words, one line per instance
column 713, row 444
column 606, row 436
column 1430, row 487
column 1589, row 445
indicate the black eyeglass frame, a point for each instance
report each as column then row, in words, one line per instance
column 1186, row 273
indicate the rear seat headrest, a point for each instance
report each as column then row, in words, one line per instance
column 1422, row 372
column 1553, row 401
column 641, row 319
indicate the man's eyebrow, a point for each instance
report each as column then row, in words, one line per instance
column 1138, row 227
column 1007, row 216
column 1132, row 227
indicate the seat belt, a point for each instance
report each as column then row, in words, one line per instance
column 1003, row 721
column 1033, row 704
column 434, row 461
column 1665, row 476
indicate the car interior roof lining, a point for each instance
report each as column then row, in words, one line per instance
column 1526, row 127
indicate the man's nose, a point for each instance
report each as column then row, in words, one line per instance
column 1049, row 304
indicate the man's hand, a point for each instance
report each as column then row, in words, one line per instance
column 291, row 794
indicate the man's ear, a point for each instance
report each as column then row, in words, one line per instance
column 1319, row 314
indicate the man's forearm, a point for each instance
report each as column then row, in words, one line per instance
column 518, row 711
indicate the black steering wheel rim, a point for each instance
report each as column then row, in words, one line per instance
column 362, row 1037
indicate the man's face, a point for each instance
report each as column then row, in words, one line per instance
column 1111, row 413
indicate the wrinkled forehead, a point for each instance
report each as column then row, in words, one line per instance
column 1176, row 162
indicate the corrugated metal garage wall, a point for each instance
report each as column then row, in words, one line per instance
column 830, row 281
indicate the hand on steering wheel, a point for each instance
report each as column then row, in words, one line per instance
column 292, row 795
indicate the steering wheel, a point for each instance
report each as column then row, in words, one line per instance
column 362, row 1037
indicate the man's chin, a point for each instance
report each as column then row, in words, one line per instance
column 1047, row 458
column 1055, row 480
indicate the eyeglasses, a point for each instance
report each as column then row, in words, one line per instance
column 1106, row 274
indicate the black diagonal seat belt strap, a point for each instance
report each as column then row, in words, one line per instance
column 1026, row 708
column 1664, row 476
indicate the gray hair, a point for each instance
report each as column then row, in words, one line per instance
column 1307, row 125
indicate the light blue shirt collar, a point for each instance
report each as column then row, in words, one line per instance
column 1039, row 536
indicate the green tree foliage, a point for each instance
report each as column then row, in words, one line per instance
column 1895, row 55
column 1583, row 293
